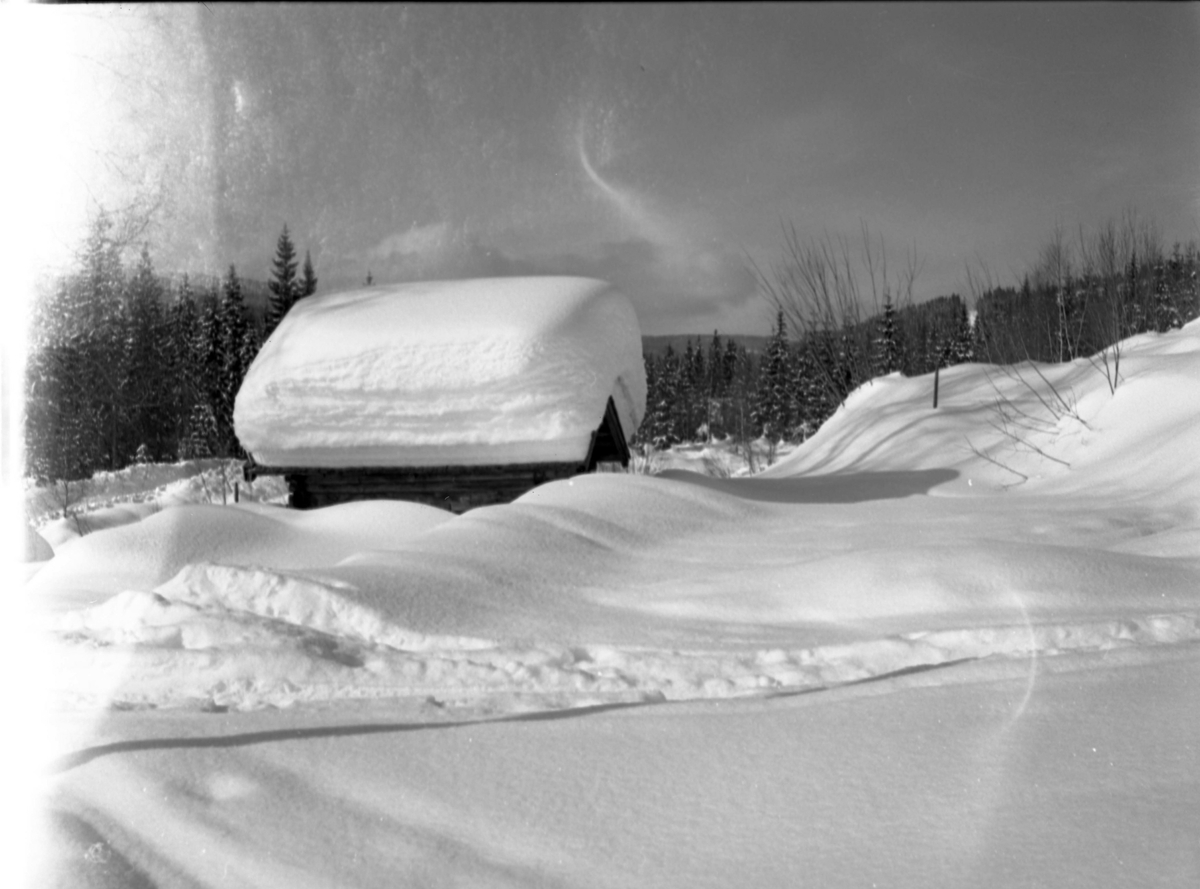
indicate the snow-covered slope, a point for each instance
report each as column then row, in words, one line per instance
column 991, row 610
column 495, row 370
column 1030, row 427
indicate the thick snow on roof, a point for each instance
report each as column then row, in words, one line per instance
column 498, row 370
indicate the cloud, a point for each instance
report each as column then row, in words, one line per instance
column 669, row 288
column 669, row 267
column 437, row 251
column 426, row 241
column 673, row 282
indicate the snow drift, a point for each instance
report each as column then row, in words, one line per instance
column 895, row 526
column 500, row 370
column 930, row 647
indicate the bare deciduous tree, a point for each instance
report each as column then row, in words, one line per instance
column 827, row 288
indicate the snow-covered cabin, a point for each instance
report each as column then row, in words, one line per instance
column 452, row 393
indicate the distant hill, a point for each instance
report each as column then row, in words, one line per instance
column 657, row 345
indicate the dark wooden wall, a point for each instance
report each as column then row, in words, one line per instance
column 456, row 488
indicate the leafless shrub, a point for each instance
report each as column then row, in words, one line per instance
column 1021, row 427
column 827, row 288
column 999, row 463
column 645, row 462
column 714, row 468
column 223, row 477
column 68, row 495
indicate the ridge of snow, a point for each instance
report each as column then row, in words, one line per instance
column 677, row 585
column 1032, row 426
column 304, row 602
column 186, row 642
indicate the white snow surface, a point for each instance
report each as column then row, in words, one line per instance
column 493, row 370
column 926, row 648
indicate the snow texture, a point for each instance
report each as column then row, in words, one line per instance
column 928, row 647
column 500, row 370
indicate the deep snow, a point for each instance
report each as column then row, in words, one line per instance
column 928, row 647
column 489, row 370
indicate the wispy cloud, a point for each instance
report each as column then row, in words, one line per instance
column 670, row 265
column 420, row 241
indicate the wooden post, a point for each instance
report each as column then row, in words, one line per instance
column 236, row 492
column 937, row 370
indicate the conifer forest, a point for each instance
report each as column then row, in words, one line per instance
column 129, row 365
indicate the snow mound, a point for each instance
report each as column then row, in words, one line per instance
column 311, row 642
column 322, row 606
column 1046, row 427
column 144, row 554
column 503, row 370
column 867, row 551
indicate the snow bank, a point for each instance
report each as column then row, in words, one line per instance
column 142, row 555
column 682, row 585
column 504, row 370
column 892, row 659
column 112, row 499
column 1030, row 427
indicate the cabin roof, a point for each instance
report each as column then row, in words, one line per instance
column 474, row 372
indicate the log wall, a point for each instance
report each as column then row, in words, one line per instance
column 456, row 488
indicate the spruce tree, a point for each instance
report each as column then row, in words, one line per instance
column 693, row 411
column 78, row 381
column 148, row 388
column 887, row 357
column 1166, row 315
column 97, row 290
column 211, row 362
column 59, row 445
column 809, row 391
column 1189, row 284
column 308, row 284
column 285, row 289
column 771, row 413
column 962, row 344
column 729, row 363
column 182, row 368
column 714, row 388
column 652, row 423
column 666, row 433
column 102, row 340
column 203, row 436
column 232, row 326
column 1133, row 295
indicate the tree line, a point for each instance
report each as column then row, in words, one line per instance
column 1079, row 298
column 1085, row 294
column 126, row 365
column 722, row 390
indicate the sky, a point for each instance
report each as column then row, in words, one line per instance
column 662, row 148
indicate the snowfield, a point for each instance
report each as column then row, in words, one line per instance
column 951, row 647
